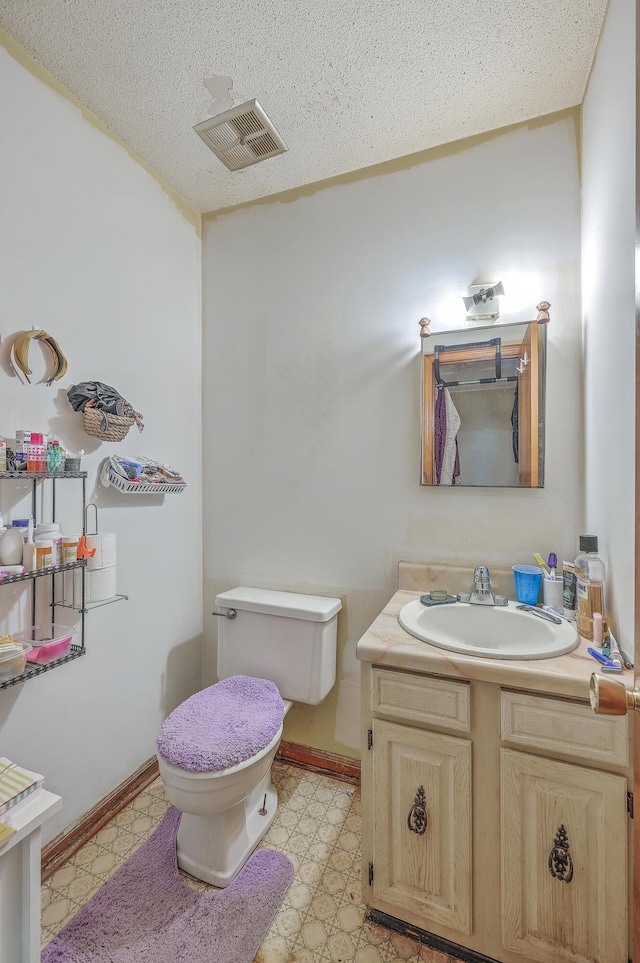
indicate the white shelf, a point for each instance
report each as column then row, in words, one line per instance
column 142, row 488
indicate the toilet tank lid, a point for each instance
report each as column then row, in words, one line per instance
column 313, row 608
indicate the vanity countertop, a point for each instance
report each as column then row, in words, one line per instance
column 386, row 643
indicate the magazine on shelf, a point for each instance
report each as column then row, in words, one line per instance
column 6, row 832
column 17, row 786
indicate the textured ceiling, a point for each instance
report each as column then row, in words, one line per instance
column 347, row 83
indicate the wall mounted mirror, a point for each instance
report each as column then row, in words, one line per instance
column 483, row 401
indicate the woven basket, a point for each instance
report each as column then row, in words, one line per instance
column 105, row 426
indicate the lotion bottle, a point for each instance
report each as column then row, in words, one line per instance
column 590, row 576
column 11, row 546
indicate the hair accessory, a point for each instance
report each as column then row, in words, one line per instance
column 20, row 355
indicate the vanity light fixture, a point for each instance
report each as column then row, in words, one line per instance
column 482, row 301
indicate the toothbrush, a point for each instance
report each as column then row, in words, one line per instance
column 552, row 562
column 540, row 561
column 608, row 665
column 615, row 655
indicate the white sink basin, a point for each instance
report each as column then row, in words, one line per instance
column 488, row 631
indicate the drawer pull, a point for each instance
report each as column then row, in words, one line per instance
column 417, row 818
column 560, row 862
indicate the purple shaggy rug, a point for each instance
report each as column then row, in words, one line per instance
column 146, row 914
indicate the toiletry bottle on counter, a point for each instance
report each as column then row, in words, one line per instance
column 590, row 576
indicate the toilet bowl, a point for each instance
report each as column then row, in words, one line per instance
column 225, row 813
column 216, row 749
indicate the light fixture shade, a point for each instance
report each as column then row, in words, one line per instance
column 483, row 293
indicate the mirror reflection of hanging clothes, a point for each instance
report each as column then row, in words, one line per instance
column 514, row 426
column 446, row 425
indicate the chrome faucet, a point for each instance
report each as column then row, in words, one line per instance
column 481, row 592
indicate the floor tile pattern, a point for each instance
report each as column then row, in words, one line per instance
column 321, row 919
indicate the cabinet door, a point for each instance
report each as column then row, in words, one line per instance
column 422, row 823
column 564, row 861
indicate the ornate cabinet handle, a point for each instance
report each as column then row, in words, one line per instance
column 417, row 818
column 560, row 862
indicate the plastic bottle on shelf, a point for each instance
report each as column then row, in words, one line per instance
column 55, row 456
column 37, row 454
column 44, row 553
column 51, row 530
column 70, row 548
column 22, row 524
column 11, row 546
column 590, row 576
column 29, row 550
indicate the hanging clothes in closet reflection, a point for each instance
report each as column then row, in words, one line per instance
column 515, row 441
column 447, row 425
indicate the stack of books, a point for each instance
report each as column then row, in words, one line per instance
column 17, row 787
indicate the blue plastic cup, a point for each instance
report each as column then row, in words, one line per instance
column 528, row 579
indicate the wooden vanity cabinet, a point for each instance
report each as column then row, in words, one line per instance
column 490, row 819
column 422, row 822
column 564, row 827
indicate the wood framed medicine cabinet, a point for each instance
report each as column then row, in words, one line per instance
column 495, row 376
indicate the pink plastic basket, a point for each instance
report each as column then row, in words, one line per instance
column 47, row 644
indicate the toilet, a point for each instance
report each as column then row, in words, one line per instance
column 216, row 749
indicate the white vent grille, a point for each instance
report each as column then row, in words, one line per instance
column 241, row 136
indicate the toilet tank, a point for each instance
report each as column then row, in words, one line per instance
column 288, row 638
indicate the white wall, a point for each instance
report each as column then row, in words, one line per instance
column 312, row 382
column 93, row 250
column 608, row 238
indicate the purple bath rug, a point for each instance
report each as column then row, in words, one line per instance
column 145, row 913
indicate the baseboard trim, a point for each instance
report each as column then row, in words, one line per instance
column 60, row 849
column 317, row 760
column 461, row 953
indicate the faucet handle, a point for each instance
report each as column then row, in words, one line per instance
column 481, row 574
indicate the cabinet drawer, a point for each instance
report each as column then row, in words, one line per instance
column 422, row 699
column 538, row 722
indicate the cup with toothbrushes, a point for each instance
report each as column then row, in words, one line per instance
column 552, row 583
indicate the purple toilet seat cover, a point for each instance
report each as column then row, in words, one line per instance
column 221, row 726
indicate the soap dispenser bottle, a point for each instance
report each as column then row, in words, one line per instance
column 590, row 576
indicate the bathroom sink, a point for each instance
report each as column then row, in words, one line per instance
column 488, row 631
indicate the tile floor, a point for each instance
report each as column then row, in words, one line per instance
column 321, row 919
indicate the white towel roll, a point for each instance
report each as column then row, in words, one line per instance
column 99, row 585
column 105, row 546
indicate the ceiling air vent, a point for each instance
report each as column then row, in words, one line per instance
column 241, row 136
